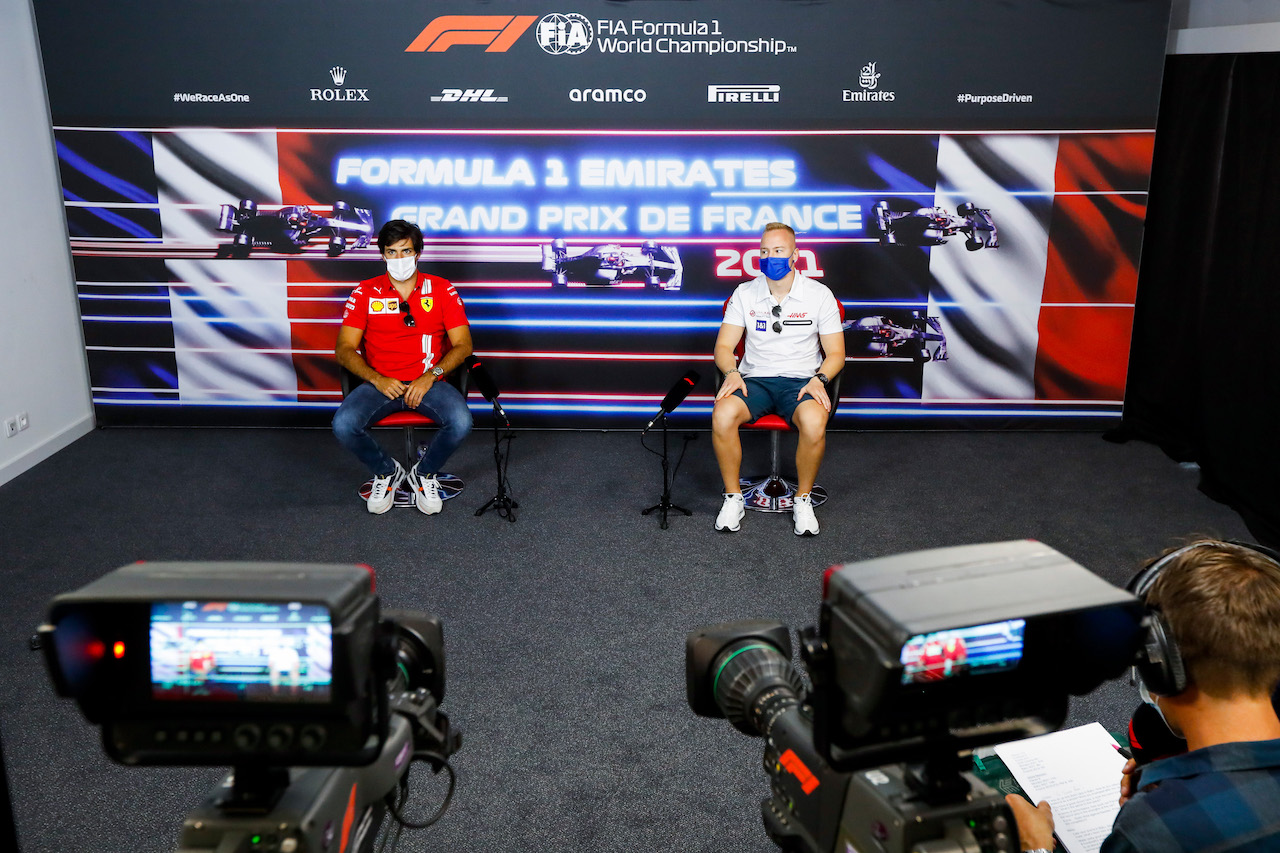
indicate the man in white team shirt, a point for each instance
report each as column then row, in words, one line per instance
column 790, row 322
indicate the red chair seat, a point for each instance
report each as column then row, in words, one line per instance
column 770, row 422
column 405, row 419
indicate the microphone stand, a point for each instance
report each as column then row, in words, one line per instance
column 502, row 502
column 665, row 504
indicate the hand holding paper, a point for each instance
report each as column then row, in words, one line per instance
column 1076, row 771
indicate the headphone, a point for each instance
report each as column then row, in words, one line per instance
column 1158, row 663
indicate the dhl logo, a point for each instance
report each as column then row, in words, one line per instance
column 499, row 32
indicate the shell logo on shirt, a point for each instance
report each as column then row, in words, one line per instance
column 384, row 306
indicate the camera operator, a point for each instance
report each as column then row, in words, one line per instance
column 1221, row 604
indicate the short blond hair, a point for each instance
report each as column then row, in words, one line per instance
column 1222, row 604
column 779, row 226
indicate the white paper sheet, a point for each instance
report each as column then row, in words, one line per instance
column 1078, row 772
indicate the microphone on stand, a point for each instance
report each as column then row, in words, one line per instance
column 486, row 387
column 674, row 397
column 502, row 502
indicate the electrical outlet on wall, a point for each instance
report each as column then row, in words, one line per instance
column 23, row 421
column 10, row 427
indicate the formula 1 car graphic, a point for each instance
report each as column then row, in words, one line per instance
column 291, row 228
column 920, row 338
column 658, row 266
column 931, row 226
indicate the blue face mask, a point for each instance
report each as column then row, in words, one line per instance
column 1146, row 697
column 775, row 269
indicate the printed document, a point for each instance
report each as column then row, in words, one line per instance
column 1078, row 772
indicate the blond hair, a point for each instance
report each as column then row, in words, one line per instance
column 1222, row 603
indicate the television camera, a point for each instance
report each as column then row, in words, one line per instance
column 918, row 659
column 287, row 672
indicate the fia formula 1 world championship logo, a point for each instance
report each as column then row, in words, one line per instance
column 496, row 32
column 564, row 34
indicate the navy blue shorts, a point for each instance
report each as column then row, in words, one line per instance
column 774, row 395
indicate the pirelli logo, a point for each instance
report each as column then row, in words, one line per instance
column 745, row 94
column 498, row 32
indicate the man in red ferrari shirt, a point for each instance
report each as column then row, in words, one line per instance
column 413, row 330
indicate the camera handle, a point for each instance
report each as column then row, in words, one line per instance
column 939, row 780
column 255, row 789
column 311, row 808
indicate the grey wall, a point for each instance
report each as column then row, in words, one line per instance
column 1225, row 26
column 42, row 369
column 1220, row 13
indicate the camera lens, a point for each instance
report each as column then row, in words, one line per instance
column 753, row 683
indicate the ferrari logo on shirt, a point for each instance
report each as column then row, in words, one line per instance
column 426, row 303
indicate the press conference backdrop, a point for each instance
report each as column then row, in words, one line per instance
column 970, row 180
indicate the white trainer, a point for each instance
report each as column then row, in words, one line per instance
column 383, row 493
column 730, row 518
column 426, row 492
column 806, row 523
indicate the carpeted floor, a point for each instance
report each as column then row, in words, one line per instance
column 564, row 631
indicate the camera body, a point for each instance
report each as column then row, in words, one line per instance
column 288, row 672
column 208, row 663
column 917, row 660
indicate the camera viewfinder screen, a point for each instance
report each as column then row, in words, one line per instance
column 241, row 651
column 978, row 649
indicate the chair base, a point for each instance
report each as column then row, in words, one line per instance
column 775, row 494
column 450, row 487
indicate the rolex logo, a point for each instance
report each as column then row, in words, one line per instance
column 339, row 74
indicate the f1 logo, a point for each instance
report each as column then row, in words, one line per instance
column 499, row 32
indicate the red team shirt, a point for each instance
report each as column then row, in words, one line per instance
column 392, row 348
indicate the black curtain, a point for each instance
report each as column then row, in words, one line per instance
column 1204, row 369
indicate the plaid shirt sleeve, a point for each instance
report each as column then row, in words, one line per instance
column 1221, row 798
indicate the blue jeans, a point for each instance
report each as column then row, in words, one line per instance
column 365, row 405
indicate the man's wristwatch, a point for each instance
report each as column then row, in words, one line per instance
column 437, row 372
column 1038, row 850
column 732, row 370
column 822, row 377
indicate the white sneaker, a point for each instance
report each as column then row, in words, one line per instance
column 730, row 518
column 806, row 523
column 383, row 494
column 426, row 492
